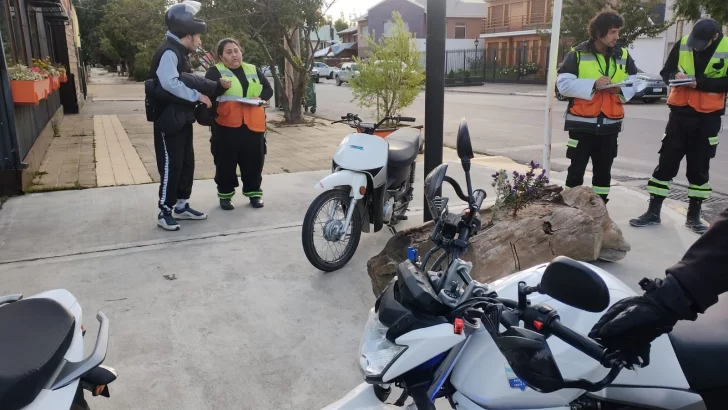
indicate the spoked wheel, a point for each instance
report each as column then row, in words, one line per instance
column 325, row 243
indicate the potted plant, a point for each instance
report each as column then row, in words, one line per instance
column 26, row 85
column 48, row 71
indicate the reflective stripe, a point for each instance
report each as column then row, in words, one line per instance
column 657, row 191
column 713, row 140
column 587, row 57
column 572, row 143
column 601, row 190
column 609, row 121
column 702, row 192
column 249, row 76
column 666, row 184
column 572, row 117
column 684, row 47
column 225, row 196
column 226, row 73
column 253, row 194
column 720, row 55
column 621, row 61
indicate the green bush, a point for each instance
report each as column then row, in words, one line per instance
column 466, row 74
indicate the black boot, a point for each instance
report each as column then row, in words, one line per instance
column 652, row 216
column 226, row 204
column 256, row 202
column 693, row 221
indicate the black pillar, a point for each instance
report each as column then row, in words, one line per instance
column 434, row 87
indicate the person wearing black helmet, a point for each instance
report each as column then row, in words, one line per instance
column 692, row 131
column 175, row 116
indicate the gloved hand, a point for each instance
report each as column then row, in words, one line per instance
column 628, row 328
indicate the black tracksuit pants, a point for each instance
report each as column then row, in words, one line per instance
column 694, row 137
column 176, row 166
column 238, row 147
column 602, row 149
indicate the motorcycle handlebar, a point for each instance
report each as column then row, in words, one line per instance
column 478, row 198
column 456, row 187
column 576, row 340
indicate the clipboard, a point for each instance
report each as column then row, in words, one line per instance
column 250, row 101
column 614, row 85
column 681, row 82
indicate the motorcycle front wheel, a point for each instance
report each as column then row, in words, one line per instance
column 323, row 224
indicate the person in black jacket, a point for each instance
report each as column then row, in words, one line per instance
column 690, row 287
column 695, row 120
column 238, row 130
column 174, row 116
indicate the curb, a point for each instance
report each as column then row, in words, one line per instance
column 511, row 93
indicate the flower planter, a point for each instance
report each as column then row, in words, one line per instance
column 28, row 92
column 46, row 84
column 64, row 78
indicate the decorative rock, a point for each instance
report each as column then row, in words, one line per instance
column 574, row 223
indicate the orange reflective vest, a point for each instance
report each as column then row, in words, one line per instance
column 591, row 66
column 701, row 101
column 233, row 113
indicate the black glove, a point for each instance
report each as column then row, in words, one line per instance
column 630, row 325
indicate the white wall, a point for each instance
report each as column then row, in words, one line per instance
column 649, row 54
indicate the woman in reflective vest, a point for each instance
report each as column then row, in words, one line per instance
column 238, row 130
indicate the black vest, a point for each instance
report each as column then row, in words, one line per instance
column 183, row 63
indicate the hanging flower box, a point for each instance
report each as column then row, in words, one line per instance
column 28, row 92
column 64, row 77
column 27, row 86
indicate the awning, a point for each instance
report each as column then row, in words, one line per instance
column 336, row 49
column 322, row 52
column 53, row 11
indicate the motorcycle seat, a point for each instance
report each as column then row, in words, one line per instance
column 34, row 336
column 702, row 347
column 403, row 147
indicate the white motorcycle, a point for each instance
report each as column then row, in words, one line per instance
column 42, row 364
column 372, row 182
column 511, row 344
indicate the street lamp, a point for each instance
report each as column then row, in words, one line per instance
column 477, row 57
column 476, row 42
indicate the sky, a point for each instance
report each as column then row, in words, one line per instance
column 350, row 6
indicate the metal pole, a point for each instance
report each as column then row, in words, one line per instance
column 551, row 85
column 434, row 87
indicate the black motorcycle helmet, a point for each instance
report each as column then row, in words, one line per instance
column 180, row 19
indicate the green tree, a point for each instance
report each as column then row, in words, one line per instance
column 691, row 9
column 133, row 26
column 341, row 23
column 90, row 13
column 268, row 23
column 391, row 77
column 638, row 15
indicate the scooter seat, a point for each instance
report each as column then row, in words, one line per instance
column 34, row 336
column 702, row 347
column 403, row 147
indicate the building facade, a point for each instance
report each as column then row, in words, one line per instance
column 29, row 30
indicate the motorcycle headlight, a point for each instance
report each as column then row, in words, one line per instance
column 375, row 351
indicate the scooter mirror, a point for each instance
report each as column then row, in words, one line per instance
column 574, row 284
column 433, row 186
column 464, row 146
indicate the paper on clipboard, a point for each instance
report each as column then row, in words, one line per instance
column 680, row 82
column 250, row 101
column 614, row 85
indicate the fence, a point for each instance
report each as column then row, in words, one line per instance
column 521, row 64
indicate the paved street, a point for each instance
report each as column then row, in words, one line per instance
column 513, row 126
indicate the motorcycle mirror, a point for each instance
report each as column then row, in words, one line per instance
column 529, row 356
column 574, row 284
column 433, row 186
column 464, row 146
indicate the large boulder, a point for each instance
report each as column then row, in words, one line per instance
column 573, row 223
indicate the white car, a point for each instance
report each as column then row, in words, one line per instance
column 347, row 72
column 324, row 70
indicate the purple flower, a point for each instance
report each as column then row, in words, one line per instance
column 521, row 177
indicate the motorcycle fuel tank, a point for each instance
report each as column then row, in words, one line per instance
column 362, row 152
column 483, row 376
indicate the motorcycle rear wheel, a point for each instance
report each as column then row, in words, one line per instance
column 341, row 202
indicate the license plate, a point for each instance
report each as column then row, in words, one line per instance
column 657, row 90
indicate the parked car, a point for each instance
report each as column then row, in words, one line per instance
column 315, row 75
column 655, row 91
column 347, row 72
column 324, row 70
column 656, row 88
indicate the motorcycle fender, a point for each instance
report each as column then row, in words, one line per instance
column 364, row 216
column 355, row 180
column 362, row 397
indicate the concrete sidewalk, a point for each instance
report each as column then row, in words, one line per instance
column 523, row 90
column 228, row 313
